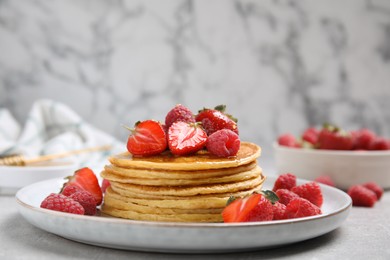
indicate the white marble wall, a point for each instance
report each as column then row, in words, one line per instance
column 278, row 65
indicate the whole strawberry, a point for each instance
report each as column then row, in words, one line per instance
column 179, row 113
column 59, row 202
column 310, row 191
column 86, row 200
column 185, row 138
column 285, row 181
column 147, row 138
column 216, row 119
column 223, row 143
column 300, row 207
column 362, row 196
column 334, row 138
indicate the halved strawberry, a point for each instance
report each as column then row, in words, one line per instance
column 147, row 138
column 86, row 179
column 216, row 119
column 186, row 138
column 231, row 212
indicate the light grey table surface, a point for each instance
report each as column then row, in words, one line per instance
column 364, row 235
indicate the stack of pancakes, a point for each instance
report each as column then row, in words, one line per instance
column 192, row 188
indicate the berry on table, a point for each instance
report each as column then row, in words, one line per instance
column 375, row 188
column 362, row 196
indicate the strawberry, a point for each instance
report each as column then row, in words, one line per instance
column 285, row 181
column 105, row 184
column 86, row 179
column 325, row 179
column 216, row 119
column 379, row 143
column 253, row 208
column 279, row 210
column 179, row 113
column 185, row 138
column 334, row 138
column 59, row 202
column 147, row 138
column 288, row 140
column 363, row 139
column 300, row 207
column 223, row 143
column 70, row 189
column 362, row 196
column 310, row 135
column 310, row 191
column 285, row 196
column 375, row 188
column 86, row 200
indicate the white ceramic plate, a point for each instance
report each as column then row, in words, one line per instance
column 180, row 237
column 12, row 178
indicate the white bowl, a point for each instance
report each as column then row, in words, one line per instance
column 12, row 178
column 345, row 168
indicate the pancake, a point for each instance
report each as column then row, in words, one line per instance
column 201, row 160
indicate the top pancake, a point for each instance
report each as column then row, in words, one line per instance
column 199, row 161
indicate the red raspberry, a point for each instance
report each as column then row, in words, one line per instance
column 86, row 200
column 288, row 140
column 285, row 181
column 300, row 207
column 279, row 210
column 310, row 191
column 70, row 189
column 325, row 179
column 223, row 143
column 310, row 135
column 59, row 202
column 285, row 196
column 361, row 196
column 375, row 188
column 380, row 143
column 179, row 113
column 364, row 138
column 105, row 184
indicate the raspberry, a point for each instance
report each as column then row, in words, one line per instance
column 288, row 140
column 59, row 202
column 285, row 196
column 179, row 113
column 279, row 210
column 310, row 135
column 375, row 188
column 223, row 143
column 364, row 138
column 285, row 181
column 301, row 207
column 325, row 179
column 310, row 191
column 86, row 200
column 379, row 143
column 70, row 189
column 361, row 196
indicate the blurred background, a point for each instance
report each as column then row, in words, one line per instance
column 279, row 66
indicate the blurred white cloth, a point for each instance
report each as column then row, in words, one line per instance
column 52, row 127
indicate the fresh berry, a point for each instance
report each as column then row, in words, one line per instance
column 361, row 196
column 334, row 138
column 285, row 181
column 380, row 143
column 86, row 179
column 310, row 135
column 147, row 138
column 216, row 119
column 105, row 184
column 325, row 179
column 300, row 207
column 279, row 210
column 285, row 196
column 253, row 208
column 223, row 143
column 59, row 202
column 70, row 189
column 310, row 191
column 375, row 188
column 185, row 138
column 179, row 113
column 363, row 139
column 288, row 140
column 86, row 200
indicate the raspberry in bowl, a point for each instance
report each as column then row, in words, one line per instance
column 346, row 157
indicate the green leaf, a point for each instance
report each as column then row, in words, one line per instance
column 270, row 195
column 230, row 200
